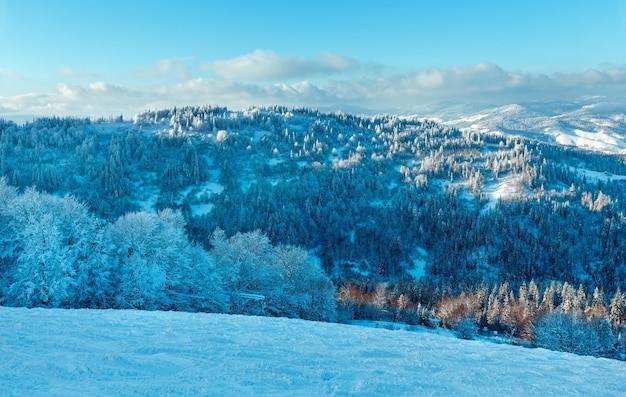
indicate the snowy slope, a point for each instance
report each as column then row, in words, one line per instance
column 86, row 352
column 590, row 124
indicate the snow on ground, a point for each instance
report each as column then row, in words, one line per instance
column 505, row 188
column 597, row 126
column 596, row 140
column 419, row 263
column 201, row 209
column 598, row 176
column 133, row 353
column 202, row 192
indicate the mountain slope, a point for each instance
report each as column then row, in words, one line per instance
column 130, row 353
column 374, row 198
column 590, row 124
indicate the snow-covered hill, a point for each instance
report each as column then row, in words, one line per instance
column 134, row 353
column 591, row 124
column 365, row 195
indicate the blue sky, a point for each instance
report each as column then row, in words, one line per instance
column 101, row 58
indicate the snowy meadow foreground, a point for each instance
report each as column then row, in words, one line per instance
column 108, row 352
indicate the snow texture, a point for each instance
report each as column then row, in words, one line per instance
column 132, row 353
column 590, row 124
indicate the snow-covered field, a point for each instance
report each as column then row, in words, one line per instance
column 133, row 353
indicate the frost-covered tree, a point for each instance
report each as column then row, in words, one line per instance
column 568, row 295
column 567, row 332
column 466, row 328
column 42, row 276
column 140, row 283
column 8, row 237
column 261, row 279
column 533, row 296
column 201, row 287
column 606, row 337
column 51, row 243
column 617, row 310
column 308, row 291
column 150, row 255
column 245, row 261
column 83, row 234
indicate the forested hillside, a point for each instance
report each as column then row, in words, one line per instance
column 377, row 197
column 260, row 209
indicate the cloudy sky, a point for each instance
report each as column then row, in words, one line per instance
column 101, row 58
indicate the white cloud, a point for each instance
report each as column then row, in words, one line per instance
column 481, row 83
column 240, row 95
column 70, row 92
column 114, row 89
column 95, row 99
column 32, row 104
column 93, row 91
column 267, row 65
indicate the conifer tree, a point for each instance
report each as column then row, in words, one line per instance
column 617, row 310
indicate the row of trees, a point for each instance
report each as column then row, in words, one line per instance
column 55, row 253
column 556, row 316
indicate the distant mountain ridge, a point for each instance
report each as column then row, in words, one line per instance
column 593, row 123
